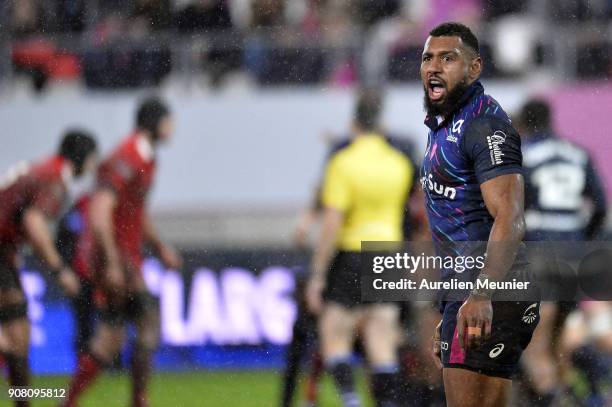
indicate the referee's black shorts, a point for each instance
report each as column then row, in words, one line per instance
column 343, row 285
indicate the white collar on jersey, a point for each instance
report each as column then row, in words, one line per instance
column 145, row 148
column 67, row 173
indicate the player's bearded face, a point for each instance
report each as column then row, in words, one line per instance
column 444, row 73
column 445, row 105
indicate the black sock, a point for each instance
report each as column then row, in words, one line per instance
column 343, row 376
column 19, row 374
column 385, row 386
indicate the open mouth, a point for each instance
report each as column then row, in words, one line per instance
column 436, row 89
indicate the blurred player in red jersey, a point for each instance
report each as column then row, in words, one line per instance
column 119, row 225
column 69, row 244
column 30, row 197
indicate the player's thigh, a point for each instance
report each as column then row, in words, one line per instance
column 11, row 291
column 108, row 340
column 381, row 333
column 464, row 388
column 12, row 296
column 13, row 313
column 143, row 309
column 538, row 361
column 16, row 334
column 337, row 326
column 542, row 335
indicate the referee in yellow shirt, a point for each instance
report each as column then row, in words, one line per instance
column 364, row 193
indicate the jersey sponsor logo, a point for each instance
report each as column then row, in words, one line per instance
column 530, row 314
column 457, row 126
column 496, row 351
column 495, row 141
column 451, row 138
column 427, row 182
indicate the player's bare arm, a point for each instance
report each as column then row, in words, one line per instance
column 323, row 253
column 102, row 205
column 167, row 254
column 35, row 225
column 503, row 197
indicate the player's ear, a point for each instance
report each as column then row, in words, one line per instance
column 475, row 68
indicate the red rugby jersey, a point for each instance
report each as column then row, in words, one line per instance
column 42, row 185
column 129, row 172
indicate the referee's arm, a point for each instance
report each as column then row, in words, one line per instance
column 335, row 199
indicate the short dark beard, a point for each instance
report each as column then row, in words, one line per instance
column 449, row 105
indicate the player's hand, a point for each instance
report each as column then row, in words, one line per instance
column 69, row 282
column 474, row 321
column 300, row 235
column 314, row 295
column 437, row 355
column 302, row 230
column 170, row 257
column 115, row 278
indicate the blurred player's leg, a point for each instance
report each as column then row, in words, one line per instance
column 303, row 343
column 381, row 339
column 106, row 343
column 539, row 358
column 83, row 310
column 292, row 364
column 147, row 338
column 586, row 346
column 15, row 328
column 337, row 329
column 317, row 368
column 420, row 378
column 465, row 388
column 17, row 334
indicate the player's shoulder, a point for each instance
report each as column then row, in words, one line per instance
column 554, row 147
column 572, row 147
column 48, row 169
column 488, row 117
column 340, row 151
column 132, row 151
column 486, row 108
column 339, row 145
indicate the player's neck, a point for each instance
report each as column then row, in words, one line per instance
column 367, row 133
column 147, row 136
column 68, row 171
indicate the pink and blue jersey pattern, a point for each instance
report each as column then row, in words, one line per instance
column 475, row 144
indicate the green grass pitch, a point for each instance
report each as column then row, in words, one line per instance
column 193, row 389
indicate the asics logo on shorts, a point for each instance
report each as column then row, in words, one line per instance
column 529, row 316
column 497, row 349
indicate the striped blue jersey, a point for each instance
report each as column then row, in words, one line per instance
column 475, row 144
column 561, row 185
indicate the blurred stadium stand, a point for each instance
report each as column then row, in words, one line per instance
column 113, row 44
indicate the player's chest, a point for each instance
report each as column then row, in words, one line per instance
column 444, row 157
